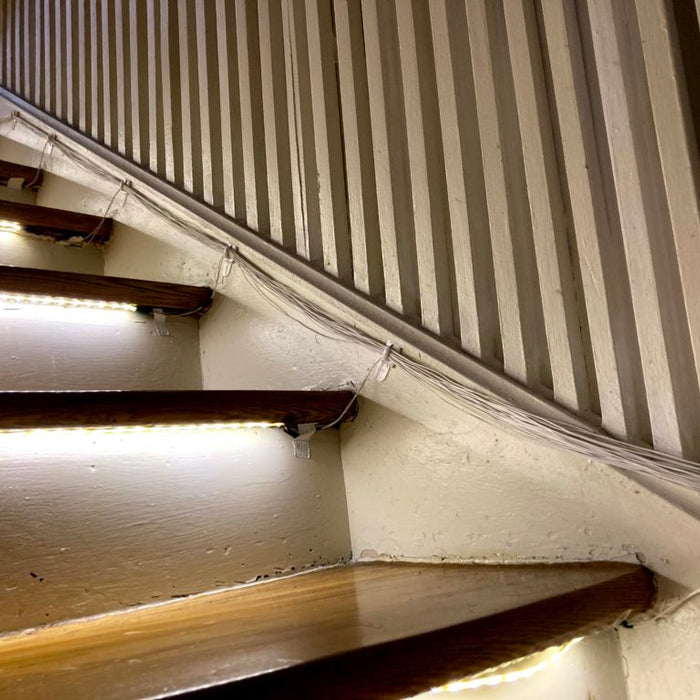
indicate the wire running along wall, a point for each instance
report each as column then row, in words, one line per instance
column 480, row 404
column 519, row 178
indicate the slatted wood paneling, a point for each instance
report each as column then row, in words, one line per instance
column 519, row 178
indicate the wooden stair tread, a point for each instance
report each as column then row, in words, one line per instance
column 376, row 630
column 174, row 298
column 67, row 409
column 58, row 224
column 15, row 171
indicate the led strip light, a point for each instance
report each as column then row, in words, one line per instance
column 140, row 429
column 64, row 302
column 551, row 656
column 9, row 226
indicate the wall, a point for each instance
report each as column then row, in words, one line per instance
column 661, row 658
column 91, row 523
column 96, row 523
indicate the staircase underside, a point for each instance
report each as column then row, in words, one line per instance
column 364, row 630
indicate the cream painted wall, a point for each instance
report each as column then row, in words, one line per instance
column 92, row 524
column 662, row 658
column 425, row 480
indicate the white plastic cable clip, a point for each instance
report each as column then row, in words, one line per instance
column 159, row 319
column 229, row 259
column 386, row 364
column 301, row 445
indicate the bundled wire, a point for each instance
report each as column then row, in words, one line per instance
column 478, row 403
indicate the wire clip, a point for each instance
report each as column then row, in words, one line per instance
column 229, row 259
column 301, row 444
column 386, row 364
column 159, row 322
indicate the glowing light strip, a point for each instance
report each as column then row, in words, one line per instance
column 139, row 429
column 509, row 676
column 9, row 226
column 64, row 302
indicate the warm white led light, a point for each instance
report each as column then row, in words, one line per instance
column 9, row 226
column 157, row 428
column 64, row 302
column 542, row 661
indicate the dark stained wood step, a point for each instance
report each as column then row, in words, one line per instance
column 360, row 631
column 26, row 410
column 31, row 177
column 58, row 224
column 172, row 298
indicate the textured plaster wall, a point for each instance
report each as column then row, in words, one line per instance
column 662, row 658
column 91, row 524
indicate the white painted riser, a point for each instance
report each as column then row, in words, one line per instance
column 110, row 521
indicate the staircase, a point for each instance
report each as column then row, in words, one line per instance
column 261, row 207
column 130, row 515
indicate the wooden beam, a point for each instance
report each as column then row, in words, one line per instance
column 172, row 298
column 30, row 177
column 65, row 409
column 58, row 224
column 361, row 631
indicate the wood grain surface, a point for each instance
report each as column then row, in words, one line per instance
column 57, row 223
column 374, row 630
column 174, row 298
column 28, row 175
column 25, row 410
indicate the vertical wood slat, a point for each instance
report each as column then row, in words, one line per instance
column 546, row 210
column 363, row 216
column 466, row 199
column 388, row 134
column 72, row 58
column 29, row 54
column 275, row 122
column 121, row 56
column 623, row 408
column 303, row 153
column 96, row 104
column 138, row 81
column 425, row 168
column 679, row 160
column 84, row 115
column 230, row 105
column 48, row 22
column 170, row 86
column 4, row 7
column 517, row 361
column 109, row 88
column 155, row 104
column 17, row 47
column 188, row 111
column 337, row 259
column 59, row 58
column 210, row 114
column 257, row 214
column 7, row 38
column 669, row 392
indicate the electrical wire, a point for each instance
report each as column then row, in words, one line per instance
column 477, row 403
